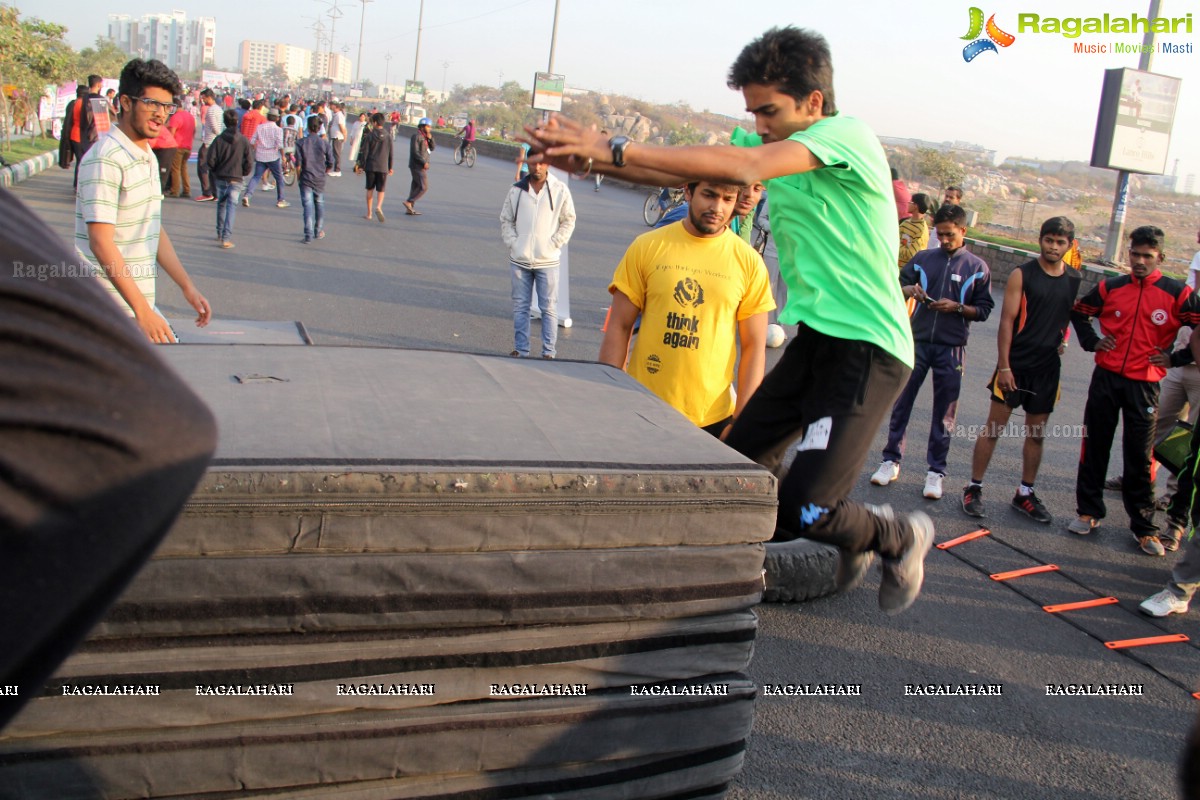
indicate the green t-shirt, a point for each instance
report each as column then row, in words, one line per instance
column 835, row 229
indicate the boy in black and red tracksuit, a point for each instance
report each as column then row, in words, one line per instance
column 1139, row 315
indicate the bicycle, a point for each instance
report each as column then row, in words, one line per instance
column 290, row 172
column 464, row 152
column 758, row 238
column 287, row 165
column 656, row 207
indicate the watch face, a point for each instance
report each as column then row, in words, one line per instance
column 618, row 150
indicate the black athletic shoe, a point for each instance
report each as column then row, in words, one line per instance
column 1030, row 506
column 973, row 501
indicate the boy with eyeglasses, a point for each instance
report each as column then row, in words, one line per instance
column 118, row 211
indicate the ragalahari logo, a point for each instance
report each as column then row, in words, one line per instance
column 995, row 36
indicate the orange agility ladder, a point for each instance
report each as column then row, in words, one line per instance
column 964, row 538
column 1099, row 601
column 1124, row 643
column 1020, row 573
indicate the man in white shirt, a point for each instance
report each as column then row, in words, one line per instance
column 268, row 152
column 536, row 222
column 118, row 211
column 337, row 136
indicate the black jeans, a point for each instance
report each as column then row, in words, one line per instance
column 166, row 157
column 337, row 154
column 420, row 183
column 1136, row 402
column 204, row 173
column 78, row 150
column 835, row 393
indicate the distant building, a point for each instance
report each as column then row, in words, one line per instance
column 334, row 66
column 958, row 148
column 183, row 45
column 1165, row 183
column 300, row 64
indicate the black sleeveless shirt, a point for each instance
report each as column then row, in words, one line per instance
column 1043, row 317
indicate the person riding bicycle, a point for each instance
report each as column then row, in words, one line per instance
column 468, row 136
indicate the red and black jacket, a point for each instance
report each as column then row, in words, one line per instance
column 1143, row 315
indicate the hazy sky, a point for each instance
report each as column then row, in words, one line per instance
column 897, row 65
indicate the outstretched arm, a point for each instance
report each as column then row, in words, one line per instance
column 568, row 145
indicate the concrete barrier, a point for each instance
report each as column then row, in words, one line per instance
column 1002, row 260
column 15, row 173
column 484, row 147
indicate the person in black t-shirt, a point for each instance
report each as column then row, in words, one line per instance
column 1032, row 337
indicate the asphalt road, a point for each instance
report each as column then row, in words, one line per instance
column 440, row 281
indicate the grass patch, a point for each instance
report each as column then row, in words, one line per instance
column 1003, row 241
column 23, row 147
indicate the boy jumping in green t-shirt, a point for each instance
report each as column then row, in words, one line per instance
column 833, row 217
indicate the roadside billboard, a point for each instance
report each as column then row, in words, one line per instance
column 1133, row 127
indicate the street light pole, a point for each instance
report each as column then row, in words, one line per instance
column 553, row 38
column 334, row 13
column 361, row 21
column 417, row 58
column 387, row 60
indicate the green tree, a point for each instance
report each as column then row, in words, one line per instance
column 938, row 167
column 105, row 59
column 34, row 55
column 986, row 208
column 685, row 134
column 277, row 76
column 1085, row 205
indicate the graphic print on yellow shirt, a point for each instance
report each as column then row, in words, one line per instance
column 692, row 292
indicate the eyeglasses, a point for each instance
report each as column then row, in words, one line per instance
column 154, row 105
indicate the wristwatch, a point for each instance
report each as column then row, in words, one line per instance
column 960, row 309
column 618, row 145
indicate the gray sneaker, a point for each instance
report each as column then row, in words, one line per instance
column 852, row 567
column 1083, row 526
column 903, row 576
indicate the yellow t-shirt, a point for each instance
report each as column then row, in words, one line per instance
column 914, row 237
column 692, row 292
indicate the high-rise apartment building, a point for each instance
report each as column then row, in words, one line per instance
column 300, row 64
column 183, row 45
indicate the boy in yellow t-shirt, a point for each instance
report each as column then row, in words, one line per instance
column 699, row 289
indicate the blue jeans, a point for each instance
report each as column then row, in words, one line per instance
column 523, row 281
column 314, row 207
column 228, row 194
column 260, row 167
column 946, row 362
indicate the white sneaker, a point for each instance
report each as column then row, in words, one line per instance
column 1163, row 604
column 933, row 486
column 888, row 471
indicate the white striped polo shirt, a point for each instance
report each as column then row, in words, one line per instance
column 119, row 185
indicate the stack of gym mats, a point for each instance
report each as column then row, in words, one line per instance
column 415, row 574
